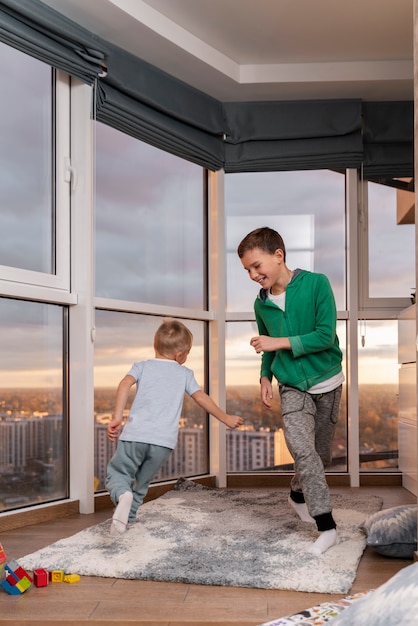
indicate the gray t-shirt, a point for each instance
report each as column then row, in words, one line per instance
column 156, row 409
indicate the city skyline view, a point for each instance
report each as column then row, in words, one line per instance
column 32, row 433
column 127, row 339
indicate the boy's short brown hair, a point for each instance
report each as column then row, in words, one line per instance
column 265, row 238
column 172, row 336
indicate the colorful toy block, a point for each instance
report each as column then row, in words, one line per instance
column 17, row 580
column 40, row 577
column 3, row 559
column 71, row 578
column 57, row 575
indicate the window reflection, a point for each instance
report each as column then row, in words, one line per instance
column 122, row 339
column 378, row 395
column 33, row 439
column 259, row 444
column 149, row 223
column 389, row 241
column 26, row 216
column 306, row 208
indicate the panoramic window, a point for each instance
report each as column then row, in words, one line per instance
column 122, row 339
column 378, row 395
column 391, row 246
column 27, row 218
column 150, row 237
column 383, row 283
column 33, row 419
column 308, row 210
column 259, row 444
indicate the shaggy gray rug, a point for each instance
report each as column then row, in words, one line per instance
column 245, row 538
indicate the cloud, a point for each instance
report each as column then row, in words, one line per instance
column 149, row 239
column 31, row 349
column 272, row 198
column 25, row 161
column 150, row 226
column 123, row 338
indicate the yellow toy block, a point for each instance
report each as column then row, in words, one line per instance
column 57, row 575
column 71, row 578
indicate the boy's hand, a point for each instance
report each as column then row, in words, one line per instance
column 113, row 430
column 232, row 421
column 266, row 392
column 264, row 343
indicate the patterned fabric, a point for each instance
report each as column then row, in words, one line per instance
column 393, row 532
column 317, row 615
column 394, row 603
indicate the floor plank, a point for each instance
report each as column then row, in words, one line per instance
column 107, row 601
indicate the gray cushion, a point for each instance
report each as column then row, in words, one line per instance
column 392, row 604
column 393, row 532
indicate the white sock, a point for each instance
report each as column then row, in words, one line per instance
column 121, row 514
column 326, row 539
column 301, row 509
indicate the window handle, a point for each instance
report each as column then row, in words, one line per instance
column 70, row 173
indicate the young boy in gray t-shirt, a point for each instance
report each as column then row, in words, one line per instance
column 150, row 434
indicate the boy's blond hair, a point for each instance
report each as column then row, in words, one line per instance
column 172, row 336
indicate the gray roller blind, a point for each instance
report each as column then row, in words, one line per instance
column 149, row 104
column 292, row 135
column 140, row 99
column 158, row 128
column 38, row 30
column 388, row 139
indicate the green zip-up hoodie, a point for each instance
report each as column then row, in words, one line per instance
column 309, row 322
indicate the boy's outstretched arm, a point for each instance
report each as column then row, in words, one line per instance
column 122, row 394
column 206, row 403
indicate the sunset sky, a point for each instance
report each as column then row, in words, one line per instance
column 306, row 207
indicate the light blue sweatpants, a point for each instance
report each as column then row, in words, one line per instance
column 132, row 468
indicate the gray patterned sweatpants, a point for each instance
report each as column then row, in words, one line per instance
column 309, row 422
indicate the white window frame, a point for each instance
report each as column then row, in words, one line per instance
column 371, row 308
column 16, row 282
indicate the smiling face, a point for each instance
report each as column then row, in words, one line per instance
column 264, row 268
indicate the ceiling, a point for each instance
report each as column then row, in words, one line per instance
column 239, row 50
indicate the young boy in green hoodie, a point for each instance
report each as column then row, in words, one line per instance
column 296, row 318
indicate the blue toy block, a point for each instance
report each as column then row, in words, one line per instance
column 17, row 580
column 11, row 589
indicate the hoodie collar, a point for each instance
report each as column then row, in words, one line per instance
column 263, row 293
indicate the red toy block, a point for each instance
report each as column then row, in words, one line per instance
column 19, row 572
column 40, row 577
column 3, row 557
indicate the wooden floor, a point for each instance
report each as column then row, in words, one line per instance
column 125, row 602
